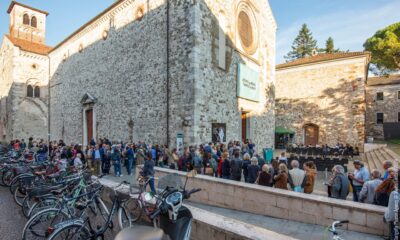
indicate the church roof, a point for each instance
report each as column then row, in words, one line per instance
column 321, row 58
column 13, row 3
column 384, row 80
column 30, row 46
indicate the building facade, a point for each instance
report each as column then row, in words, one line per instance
column 383, row 104
column 166, row 72
column 24, row 66
column 322, row 98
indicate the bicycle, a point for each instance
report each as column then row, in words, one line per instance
column 139, row 201
column 81, row 228
column 41, row 225
column 332, row 229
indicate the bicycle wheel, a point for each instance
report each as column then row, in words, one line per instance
column 50, row 202
column 101, row 209
column 7, row 178
column 71, row 232
column 19, row 196
column 14, row 184
column 134, row 209
column 40, row 225
column 26, row 206
column 124, row 219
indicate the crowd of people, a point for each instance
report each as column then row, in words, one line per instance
column 236, row 161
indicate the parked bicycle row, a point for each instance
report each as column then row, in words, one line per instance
column 68, row 203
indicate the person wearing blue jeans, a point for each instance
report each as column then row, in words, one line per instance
column 116, row 158
column 358, row 178
column 148, row 171
column 131, row 160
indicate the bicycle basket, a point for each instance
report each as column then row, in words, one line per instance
column 172, row 180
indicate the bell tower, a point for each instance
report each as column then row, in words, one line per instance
column 27, row 23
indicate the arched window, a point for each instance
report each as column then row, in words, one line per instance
column 37, row 92
column 29, row 91
column 34, row 22
column 26, row 19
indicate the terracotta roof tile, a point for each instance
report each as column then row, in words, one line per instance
column 322, row 57
column 384, row 80
column 30, row 46
column 13, row 3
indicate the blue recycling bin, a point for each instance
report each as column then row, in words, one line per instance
column 268, row 155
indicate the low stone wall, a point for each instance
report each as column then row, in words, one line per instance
column 284, row 204
column 207, row 225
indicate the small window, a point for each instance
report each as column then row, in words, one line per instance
column 29, row 91
column 398, row 95
column 379, row 118
column 26, row 19
column 398, row 116
column 37, row 92
column 379, row 96
column 34, row 22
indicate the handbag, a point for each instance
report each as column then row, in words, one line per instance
column 209, row 171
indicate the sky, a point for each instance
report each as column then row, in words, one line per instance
column 348, row 22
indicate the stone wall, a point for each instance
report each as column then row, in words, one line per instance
column 119, row 59
column 208, row 225
column 21, row 116
column 329, row 94
column 389, row 106
column 126, row 74
column 283, row 204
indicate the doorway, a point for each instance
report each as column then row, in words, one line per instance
column 89, row 125
column 245, row 126
column 311, row 134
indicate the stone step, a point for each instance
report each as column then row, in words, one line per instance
column 392, row 154
column 371, row 161
column 376, row 159
column 365, row 160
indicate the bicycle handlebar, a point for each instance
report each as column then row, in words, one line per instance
column 337, row 223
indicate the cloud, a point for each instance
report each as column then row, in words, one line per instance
column 349, row 28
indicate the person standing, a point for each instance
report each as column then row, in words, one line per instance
column 339, row 183
column 383, row 191
column 131, row 159
column 253, row 170
column 390, row 214
column 358, row 178
column 236, row 166
column 281, row 180
column 386, row 165
column 367, row 193
column 226, row 166
column 148, row 171
column 116, row 159
column 311, row 175
column 97, row 159
column 246, row 163
column 264, row 178
column 296, row 177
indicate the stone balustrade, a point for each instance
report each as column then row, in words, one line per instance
column 208, row 225
column 283, row 204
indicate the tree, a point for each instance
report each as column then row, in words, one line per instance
column 385, row 49
column 303, row 45
column 330, row 46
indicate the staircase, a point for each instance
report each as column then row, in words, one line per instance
column 374, row 159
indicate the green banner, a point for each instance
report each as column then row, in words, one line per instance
column 248, row 83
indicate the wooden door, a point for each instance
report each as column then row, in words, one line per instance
column 89, row 124
column 244, row 126
column 311, row 133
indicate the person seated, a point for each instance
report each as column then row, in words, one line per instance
column 283, row 158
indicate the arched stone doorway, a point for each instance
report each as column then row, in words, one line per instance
column 311, row 134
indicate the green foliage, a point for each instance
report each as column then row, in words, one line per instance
column 330, row 46
column 303, row 45
column 385, row 48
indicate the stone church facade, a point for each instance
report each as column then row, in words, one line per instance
column 24, row 75
column 383, row 104
column 323, row 98
column 155, row 71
